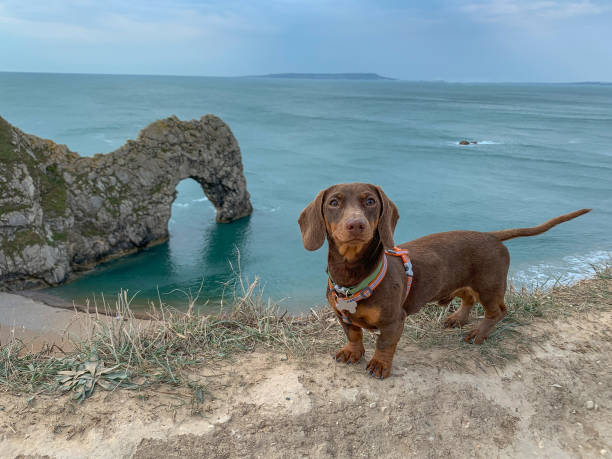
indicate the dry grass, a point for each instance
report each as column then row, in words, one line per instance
column 121, row 350
column 124, row 351
column 524, row 306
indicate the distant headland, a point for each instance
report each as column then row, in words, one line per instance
column 324, row 76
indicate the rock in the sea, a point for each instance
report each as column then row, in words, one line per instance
column 61, row 213
column 464, row 142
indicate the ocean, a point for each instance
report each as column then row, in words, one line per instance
column 543, row 150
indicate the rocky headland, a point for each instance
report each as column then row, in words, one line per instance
column 61, row 213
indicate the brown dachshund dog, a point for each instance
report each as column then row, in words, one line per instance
column 358, row 220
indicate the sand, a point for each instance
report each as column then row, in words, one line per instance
column 36, row 323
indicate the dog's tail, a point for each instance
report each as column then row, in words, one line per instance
column 504, row 235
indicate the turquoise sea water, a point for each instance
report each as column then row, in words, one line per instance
column 543, row 150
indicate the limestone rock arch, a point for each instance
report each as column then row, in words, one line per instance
column 61, row 213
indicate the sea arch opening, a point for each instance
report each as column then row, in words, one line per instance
column 201, row 250
column 190, row 214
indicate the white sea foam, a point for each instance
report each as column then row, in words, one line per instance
column 181, row 204
column 200, row 200
column 568, row 270
column 478, row 142
column 105, row 139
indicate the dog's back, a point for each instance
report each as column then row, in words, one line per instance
column 457, row 259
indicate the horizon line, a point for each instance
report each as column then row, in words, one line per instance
column 388, row 79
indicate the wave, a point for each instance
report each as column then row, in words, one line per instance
column 270, row 208
column 102, row 136
column 187, row 204
column 571, row 162
column 568, row 270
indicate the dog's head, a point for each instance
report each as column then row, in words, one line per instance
column 351, row 215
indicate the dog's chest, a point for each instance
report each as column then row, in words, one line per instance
column 360, row 314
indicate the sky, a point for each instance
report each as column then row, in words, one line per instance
column 453, row 40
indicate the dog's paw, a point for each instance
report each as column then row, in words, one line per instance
column 454, row 320
column 476, row 336
column 378, row 368
column 350, row 353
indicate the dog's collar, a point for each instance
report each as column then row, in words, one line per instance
column 366, row 287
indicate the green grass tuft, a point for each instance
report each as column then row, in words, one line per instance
column 53, row 192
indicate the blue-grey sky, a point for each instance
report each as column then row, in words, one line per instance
column 471, row 40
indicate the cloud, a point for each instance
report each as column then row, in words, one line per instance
column 517, row 11
column 448, row 39
column 117, row 22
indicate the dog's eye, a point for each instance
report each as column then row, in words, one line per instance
column 333, row 203
column 370, row 202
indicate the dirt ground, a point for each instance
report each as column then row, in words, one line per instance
column 554, row 401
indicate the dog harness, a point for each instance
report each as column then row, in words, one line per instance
column 346, row 298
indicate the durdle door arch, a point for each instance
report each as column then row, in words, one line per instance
column 61, row 213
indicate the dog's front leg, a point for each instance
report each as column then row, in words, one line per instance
column 353, row 350
column 380, row 365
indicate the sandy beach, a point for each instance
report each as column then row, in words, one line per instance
column 36, row 323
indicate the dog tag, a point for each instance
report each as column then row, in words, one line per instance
column 344, row 305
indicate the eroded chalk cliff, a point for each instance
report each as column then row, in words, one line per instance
column 61, row 213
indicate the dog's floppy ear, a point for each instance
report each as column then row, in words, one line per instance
column 312, row 224
column 388, row 219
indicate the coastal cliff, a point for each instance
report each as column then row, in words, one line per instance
column 61, row 213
